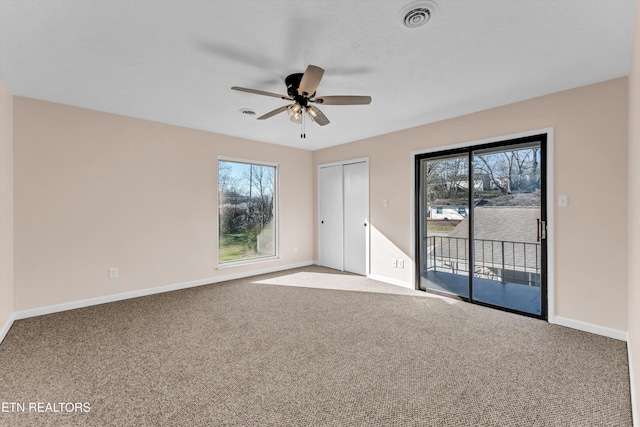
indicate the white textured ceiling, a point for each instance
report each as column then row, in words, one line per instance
column 174, row 61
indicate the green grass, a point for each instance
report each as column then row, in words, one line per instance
column 440, row 228
column 233, row 247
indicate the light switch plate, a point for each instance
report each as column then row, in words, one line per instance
column 563, row 201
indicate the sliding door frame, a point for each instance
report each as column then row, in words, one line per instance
column 546, row 203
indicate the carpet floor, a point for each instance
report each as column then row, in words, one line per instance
column 307, row 347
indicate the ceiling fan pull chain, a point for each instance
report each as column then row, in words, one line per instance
column 302, row 131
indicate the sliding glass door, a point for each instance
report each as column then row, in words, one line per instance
column 445, row 233
column 482, row 224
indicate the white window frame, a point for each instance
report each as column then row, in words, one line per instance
column 276, row 213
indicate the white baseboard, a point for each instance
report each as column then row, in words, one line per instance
column 589, row 327
column 5, row 328
column 634, row 395
column 24, row 314
column 391, row 281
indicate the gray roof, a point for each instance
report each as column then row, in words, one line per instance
column 503, row 237
column 513, row 224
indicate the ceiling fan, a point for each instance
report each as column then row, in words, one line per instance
column 301, row 89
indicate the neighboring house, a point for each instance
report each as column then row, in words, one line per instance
column 244, row 206
column 478, row 184
column 457, row 212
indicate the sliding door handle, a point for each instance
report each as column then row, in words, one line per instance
column 542, row 230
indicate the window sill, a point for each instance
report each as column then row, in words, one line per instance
column 241, row 263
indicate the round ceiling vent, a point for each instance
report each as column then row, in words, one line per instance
column 417, row 14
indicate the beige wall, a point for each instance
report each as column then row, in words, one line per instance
column 97, row 190
column 6, row 204
column 590, row 155
column 634, row 209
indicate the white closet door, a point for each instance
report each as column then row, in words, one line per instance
column 356, row 210
column 330, row 225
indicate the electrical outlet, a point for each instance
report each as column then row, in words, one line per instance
column 400, row 263
column 113, row 273
column 394, row 263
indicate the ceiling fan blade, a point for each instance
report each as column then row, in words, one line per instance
column 310, row 80
column 317, row 116
column 343, row 100
column 261, row 92
column 273, row 113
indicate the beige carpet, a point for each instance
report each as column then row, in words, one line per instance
column 288, row 350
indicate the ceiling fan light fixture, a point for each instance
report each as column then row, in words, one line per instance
column 312, row 113
column 295, row 113
column 417, row 14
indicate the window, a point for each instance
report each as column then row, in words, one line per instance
column 439, row 210
column 246, row 211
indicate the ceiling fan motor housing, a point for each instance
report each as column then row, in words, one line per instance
column 293, row 83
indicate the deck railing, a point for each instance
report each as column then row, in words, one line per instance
column 504, row 261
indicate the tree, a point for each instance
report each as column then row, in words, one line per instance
column 516, row 171
column 260, row 194
column 492, row 166
column 445, row 178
